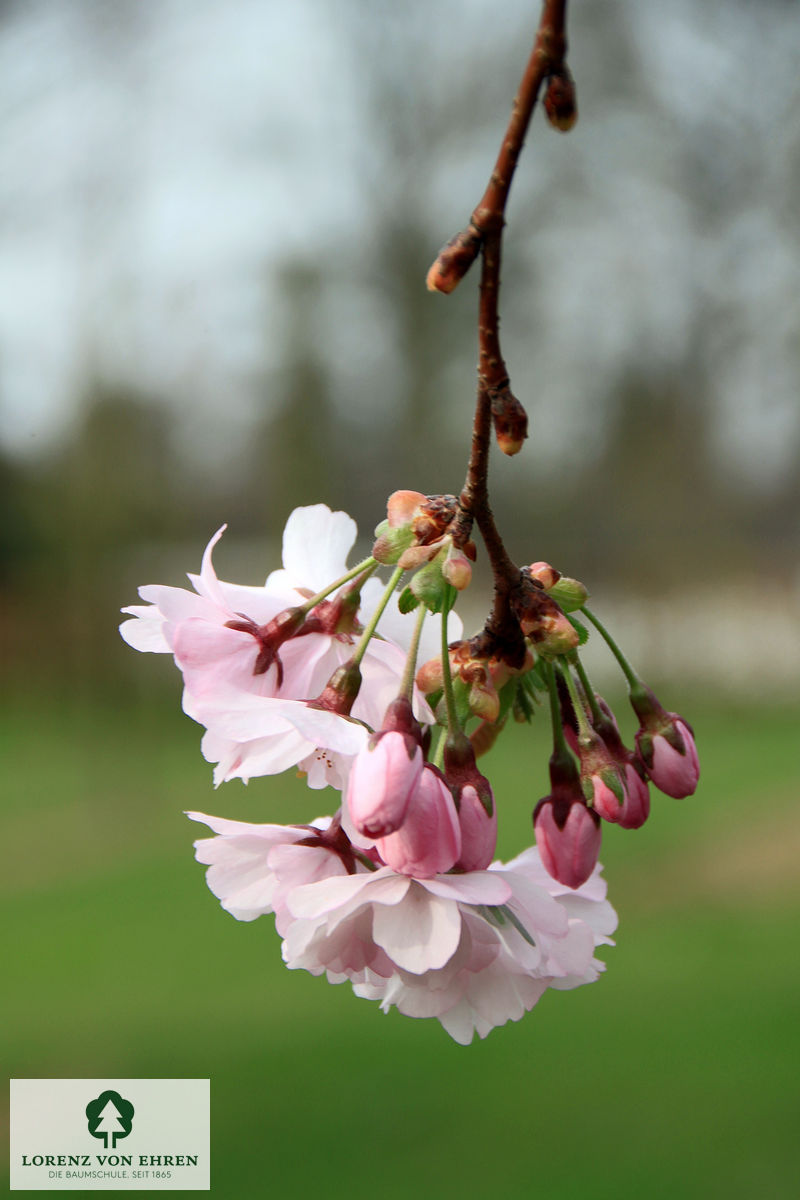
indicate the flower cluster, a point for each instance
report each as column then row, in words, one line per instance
column 398, row 891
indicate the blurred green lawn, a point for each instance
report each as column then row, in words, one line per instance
column 674, row 1076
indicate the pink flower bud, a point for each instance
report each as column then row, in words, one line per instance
column 382, row 779
column 568, row 836
column 428, row 841
column 457, row 569
column 635, row 807
column 478, row 829
column 670, row 757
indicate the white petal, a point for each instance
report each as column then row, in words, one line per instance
column 419, row 934
column 316, row 543
column 206, row 583
column 271, row 833
column 474, row 887
column 146, row 633
column 329, row 895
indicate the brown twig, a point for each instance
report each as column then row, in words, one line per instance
column 484, row 234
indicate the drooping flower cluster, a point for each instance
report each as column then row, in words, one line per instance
column 397, row 892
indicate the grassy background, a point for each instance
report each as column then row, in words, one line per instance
column 675, row 1075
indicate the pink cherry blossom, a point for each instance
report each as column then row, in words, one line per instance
column 252, row 868
column 213, row 635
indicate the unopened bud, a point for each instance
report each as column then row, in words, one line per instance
column 569, row 594
column 454, row 260
column 457, row 569
column 568, row 837
column 390, row 543
column 510, row 420
column 402, row 507
column 559, row 101
column 484, row 701
column 546, row 575
column 634, row 809
column 340, row 692
column 552, row 634
column 428, row 840
column 430, row 676
column 382, row 779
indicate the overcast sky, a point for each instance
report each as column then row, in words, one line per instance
column 160, row 158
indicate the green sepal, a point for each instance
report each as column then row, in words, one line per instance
column 508, row 694
column 390, row 543
column 429, row 586
column 568, row 594
column 498, row 914
column 611, row 778
column 523, row 706
column 580, row 629
column 407, row 601
column 461, row 696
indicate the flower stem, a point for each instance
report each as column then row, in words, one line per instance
column 447, row 678
column 438, row 754
column 597, row 716
column 560, row 748
column 584, row 728
column 634, row 682
column 369, row 630
column 407, row 686
column 367, row 567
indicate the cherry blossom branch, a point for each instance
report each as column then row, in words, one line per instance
column 495, row 401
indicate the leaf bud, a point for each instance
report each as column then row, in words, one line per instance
column 559, row 101
column 454, row 260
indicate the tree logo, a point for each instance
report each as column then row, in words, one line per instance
column 109, row 1117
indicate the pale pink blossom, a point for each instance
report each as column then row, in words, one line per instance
column 252, row 868
column 473, row 950
column 213, row 634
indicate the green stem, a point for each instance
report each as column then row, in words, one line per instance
column 560, row 746
column 585, row 732
column 407, row 686
column 447, row 678
column 367, row 566
column 597, row 716
column 438, row 754
column 366, row 636
column 633, row 679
